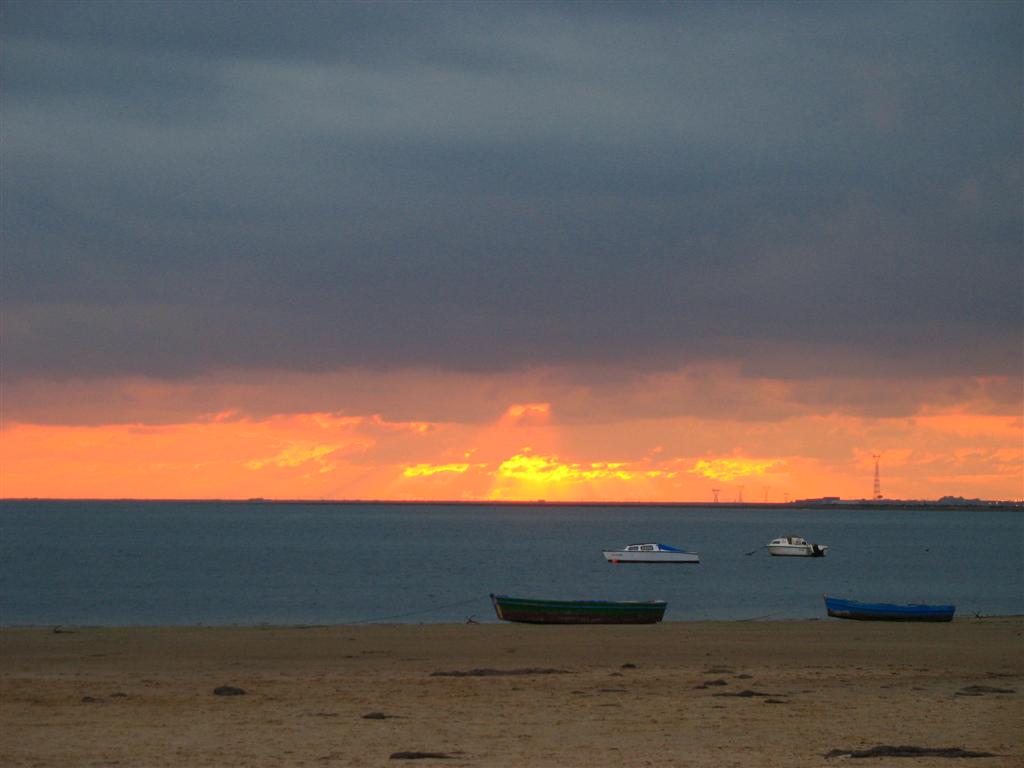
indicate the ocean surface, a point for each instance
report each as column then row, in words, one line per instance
column 209, row 563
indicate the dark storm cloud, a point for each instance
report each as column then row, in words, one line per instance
column 190, row 187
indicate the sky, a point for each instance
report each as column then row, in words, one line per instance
column 570, row 251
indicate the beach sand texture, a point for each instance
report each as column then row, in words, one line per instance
column 780, row 693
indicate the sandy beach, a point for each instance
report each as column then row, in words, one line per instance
column 783, row 693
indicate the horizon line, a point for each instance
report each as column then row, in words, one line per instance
column 819, row 501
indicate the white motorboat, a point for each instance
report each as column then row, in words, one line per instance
column 650, row 553
column 795, row 546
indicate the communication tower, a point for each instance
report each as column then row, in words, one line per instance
column 740, row 499
column 877, row 492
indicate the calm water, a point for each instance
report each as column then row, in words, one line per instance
column 123, row 563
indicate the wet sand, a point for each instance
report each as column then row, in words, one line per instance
column 698, row 694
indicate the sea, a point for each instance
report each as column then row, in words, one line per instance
column 137, row 563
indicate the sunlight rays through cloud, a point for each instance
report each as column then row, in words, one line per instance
column 734, row 468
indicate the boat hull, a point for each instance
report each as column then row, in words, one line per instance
column 578, row 611
column 797, row 550
column 621, row 556
column 853, row 609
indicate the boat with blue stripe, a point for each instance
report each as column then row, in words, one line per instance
column 854, row 609
column 650, row 553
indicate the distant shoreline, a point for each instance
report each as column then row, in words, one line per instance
column 808, row 504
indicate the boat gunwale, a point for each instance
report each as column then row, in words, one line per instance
column 537, row 601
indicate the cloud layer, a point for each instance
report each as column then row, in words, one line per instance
column 808, row 188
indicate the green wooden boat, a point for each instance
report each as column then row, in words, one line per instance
column 578, row 611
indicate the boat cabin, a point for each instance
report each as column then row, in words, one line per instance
column 799, row 541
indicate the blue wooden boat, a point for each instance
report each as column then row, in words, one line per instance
column 533, row 611
column 853, row 609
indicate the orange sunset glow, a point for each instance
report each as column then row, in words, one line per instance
column 526, row 451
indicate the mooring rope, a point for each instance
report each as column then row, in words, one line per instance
column 420, row 612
